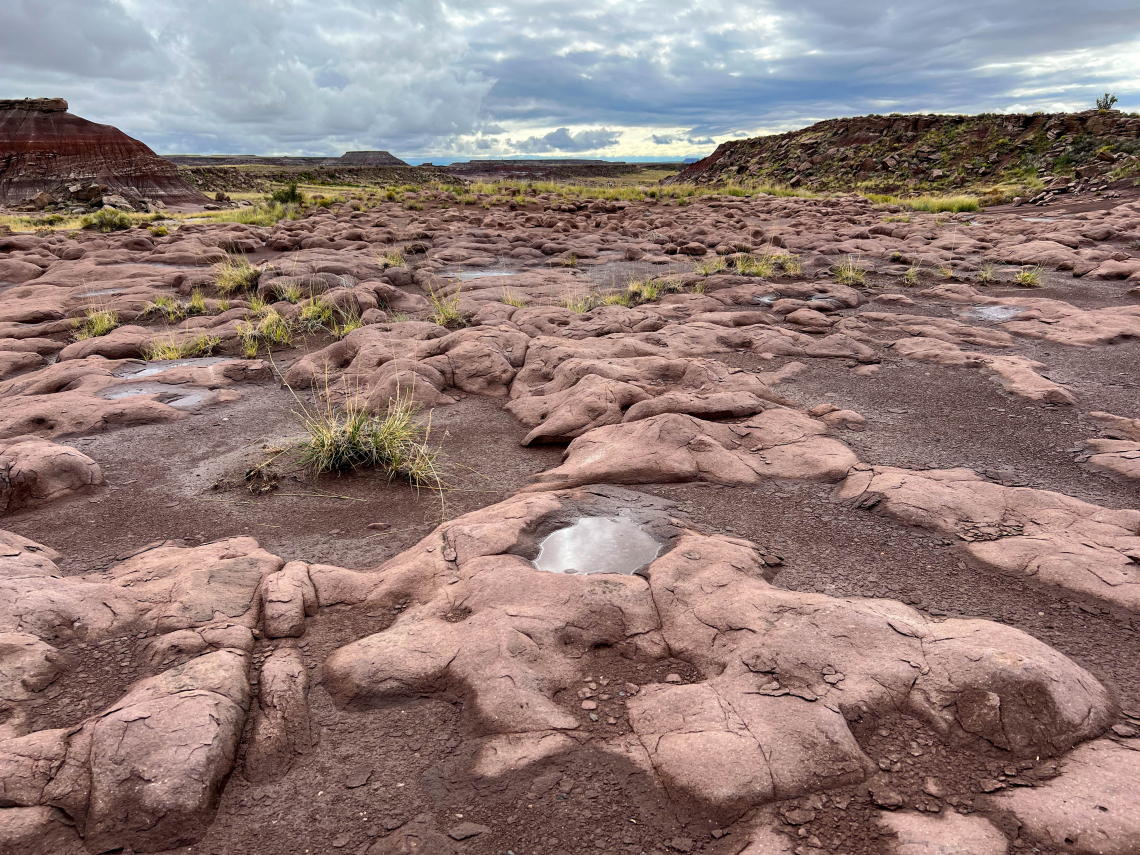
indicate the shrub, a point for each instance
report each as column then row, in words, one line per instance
column 159, row 231
column 354, row 439
column 287, row 195
column 106, row 220
column 1106, row 103
column 97, row 322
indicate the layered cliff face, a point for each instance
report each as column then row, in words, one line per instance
column 938, row 153
column 44, row 147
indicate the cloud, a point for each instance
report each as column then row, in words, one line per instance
column 427, row 78
column 563, row 140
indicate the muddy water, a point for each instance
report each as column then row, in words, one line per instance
column 597, row 545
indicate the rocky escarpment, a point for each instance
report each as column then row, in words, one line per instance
column 46, row 150
column 936, row 152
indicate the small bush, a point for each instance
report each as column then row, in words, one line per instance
column 912, row 277
column 158, row 231
column 97, row 322
column 1106, row 103
column 288, row 195
column 106, row 220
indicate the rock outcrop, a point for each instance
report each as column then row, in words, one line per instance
column 44, row 149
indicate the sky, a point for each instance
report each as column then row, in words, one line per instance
column 624, row 79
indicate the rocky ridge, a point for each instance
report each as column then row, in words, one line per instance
column 935, row 153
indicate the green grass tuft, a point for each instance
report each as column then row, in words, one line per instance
column 97, row 322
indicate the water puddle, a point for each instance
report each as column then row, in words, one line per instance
column 994, row 313
column 465, row 275
column 181, row 397
column 135, row 370
column 101, row 293
column 597, row 545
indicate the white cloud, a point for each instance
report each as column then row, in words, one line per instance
column 616, row 77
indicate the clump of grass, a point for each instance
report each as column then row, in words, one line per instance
column 187, row 348
column 258, row 306
column 315, row 315
column 346, row 323
column 579, row 305
column 197, row 304
column 392, row 258
column 158, row 231
column 570, row 260
column 106, row 220
column 643, row 291
column 849, row 273
column 271, row 329
column 223, row 305
column 97, row 322
column 236, row 275
column 355, row 439
column 791, row 264
column 1029, row 277
column 512, row 299
column 291, row 292
column 897, row 218
column 945, row 270
column 445, row 310
column 912, row 276
column 165, row 305
column 709, row 265
column 618, row 298
column 755, row 265
column 987, row 275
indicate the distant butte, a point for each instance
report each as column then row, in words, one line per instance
column 45, row 149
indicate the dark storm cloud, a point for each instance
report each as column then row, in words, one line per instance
column 422, row 77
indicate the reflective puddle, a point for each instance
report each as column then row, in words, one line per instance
column 994, row 313
column 157, row 366
column 173, row 396
column 464, row 275
column 597, row 545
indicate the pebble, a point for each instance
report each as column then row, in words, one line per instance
column 673, row 678
column 465, row 830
